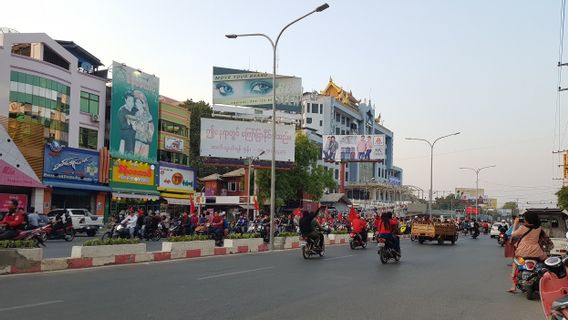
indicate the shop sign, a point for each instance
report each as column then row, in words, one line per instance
column 176, row 178
column 173, row 144
column 6, row 201
column 71, row 164
column 133, row 172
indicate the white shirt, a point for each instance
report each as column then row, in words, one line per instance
column 130, row 221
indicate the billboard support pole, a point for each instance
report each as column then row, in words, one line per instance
column 342, row 165
column 477, row 186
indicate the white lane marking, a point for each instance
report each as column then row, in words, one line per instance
column 31, row 305
column 342, row 257
column 233, row 273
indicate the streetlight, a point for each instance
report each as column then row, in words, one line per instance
column 477, row 184
column 250, row 161
column 431, row 144
column 273, row 166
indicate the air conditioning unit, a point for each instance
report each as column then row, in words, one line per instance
column 95, row 117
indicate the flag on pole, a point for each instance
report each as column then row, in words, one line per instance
column 255, row 203
column 192, row 205
column 326, row 214
column 297, row 212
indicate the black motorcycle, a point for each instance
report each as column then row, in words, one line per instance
column 153, row 234
column 386, row 250
column 356, row 240
column 311, row 248
column 118, row 231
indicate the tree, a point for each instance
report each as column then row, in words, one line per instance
column 562, row 195
column 305, row 176
column 448, row 203
column 511, row 205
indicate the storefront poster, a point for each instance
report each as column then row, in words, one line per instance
column 173, row 144
column 133, row 172
column 71, row 164
column 6, row 201
column 134, row 114
column 176, row 178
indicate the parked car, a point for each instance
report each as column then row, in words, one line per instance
column 83, row 220
column 553, row 222
column 494, row 233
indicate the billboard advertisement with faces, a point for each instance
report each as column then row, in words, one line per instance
column 353, row 147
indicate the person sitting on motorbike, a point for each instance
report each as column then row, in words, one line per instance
column 242, row 224
column 13, row 221
column 130, row 221
column 310, row 228
column 218, row 227
column 359, row 226
column 186, row 223
column 386, row 227
column 148, row 226
column 194, row 221
column 528, row 245
column 475, row 227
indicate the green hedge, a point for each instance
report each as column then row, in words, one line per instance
column 242, row 236
column 107, row 242
column 195, row 237
column 17, row 244
column 339, row 232
column 287, row 234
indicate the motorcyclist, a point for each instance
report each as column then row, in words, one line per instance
column 386, row 227
column 310, row 228
column 475, row 228
column 130, row 221
column 359, row 226
column 13, row 221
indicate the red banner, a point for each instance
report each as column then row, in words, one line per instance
column 5, row 201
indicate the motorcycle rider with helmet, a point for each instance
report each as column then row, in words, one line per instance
column 310, row 228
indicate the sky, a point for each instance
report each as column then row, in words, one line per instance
column 485, row 68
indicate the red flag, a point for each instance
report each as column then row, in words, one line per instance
column 255, row 203
column 326, row 214
column 297, row 212
column 352, row 214
column 192, row 205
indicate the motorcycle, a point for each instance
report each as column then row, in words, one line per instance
column 66, row 233
column 117, row 231
column 527, row 276
column 386, row 250
column 37, row 235
column 355, row 240
column 554, row 288
column 474, row 231
column 151, row 234
column 502, row 239
column 310, row 248
column 326, row 228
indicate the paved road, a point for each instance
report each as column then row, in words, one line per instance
column 466, row 281
column 62, row 249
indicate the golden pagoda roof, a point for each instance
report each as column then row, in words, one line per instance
column 340, row 94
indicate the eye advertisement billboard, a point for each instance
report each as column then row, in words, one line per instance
column 134, row 114
column 245, row 88
column 353, row 147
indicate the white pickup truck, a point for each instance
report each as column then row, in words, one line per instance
column 83, row 220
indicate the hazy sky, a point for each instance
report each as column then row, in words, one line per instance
column 486, row 68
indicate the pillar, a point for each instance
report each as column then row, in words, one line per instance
column 38, row 200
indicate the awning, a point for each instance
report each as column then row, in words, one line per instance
column 136, row 194
column 183, row 202
column 79, row 186
column 174, row 195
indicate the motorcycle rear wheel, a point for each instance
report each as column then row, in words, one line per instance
column 364, row 245
column 352, row 244
column 383, row 256
column 396, row 257
column 305, row 253
column 156, row 236
column 69, row 235
column 106, row 235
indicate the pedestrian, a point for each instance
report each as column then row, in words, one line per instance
column 33, row 219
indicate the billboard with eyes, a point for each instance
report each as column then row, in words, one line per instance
column 246, row 88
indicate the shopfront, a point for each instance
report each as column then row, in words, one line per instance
column 15, row 184
column 73, row 179
column 133, row 184
column 176, row 186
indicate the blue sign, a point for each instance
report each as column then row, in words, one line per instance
column 71, row 164
column 394, row 181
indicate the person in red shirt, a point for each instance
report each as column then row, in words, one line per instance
column 386, row 227
column 194, row 221
column 359, row 226
column 217, row 227
column 14, row 222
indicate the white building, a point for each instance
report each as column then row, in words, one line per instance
column 335, row 111
column 54, row 84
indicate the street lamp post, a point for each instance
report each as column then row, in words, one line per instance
column 273, row 166
column 431, row 144
column 477, row 184
column 250, row 161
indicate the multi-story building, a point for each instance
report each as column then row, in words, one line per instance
column 52, row 94
column 335, row 111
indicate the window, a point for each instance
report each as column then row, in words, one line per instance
column 337, row 117
column 337, row 131
column 342, row 120
column 307, row 108
column 89, row 103
column 342, row 132
column 321, row 108
column 88, row 138
column 308, row 120
column 232, row 187
column 173, row 157
column 336, row 174
column 314, row 108
column 174, row 128
column 321, row 123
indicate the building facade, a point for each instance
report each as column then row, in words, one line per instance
column 52, row 94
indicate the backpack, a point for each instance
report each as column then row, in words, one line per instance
column 544, row 241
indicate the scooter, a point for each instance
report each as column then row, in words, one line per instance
column 66, row 233
column 37, row 235
column 310, row 248
column 386, row 250
column 554, row 288
column 501, row 239
column 527, row 276
column 355, row 240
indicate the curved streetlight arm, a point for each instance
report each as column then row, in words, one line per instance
column 234, row 36
column 318, row 9
column 419, row 139
column 442, row 137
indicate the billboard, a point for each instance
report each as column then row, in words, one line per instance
column 134, row 114
column 133, row 172
column 353, row 147
column 71, row 164
column 244, row 139
column 245, row 88
column 176, row 178
column 173, row 144
column 469, row 194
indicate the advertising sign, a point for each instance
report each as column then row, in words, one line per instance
column 245, row 139
column 469, row 194
column 12, row 176
column 353, row 147
column 133, row 172
column 6, row 201
column 134, row 114
column 173, row 144
column 71, row 164
column 245, row 88
column 176, row 178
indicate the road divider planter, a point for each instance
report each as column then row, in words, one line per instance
column 287, row 241
column 195, row 246
column 338, row 238
column 19, row 257
column 237, row 244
